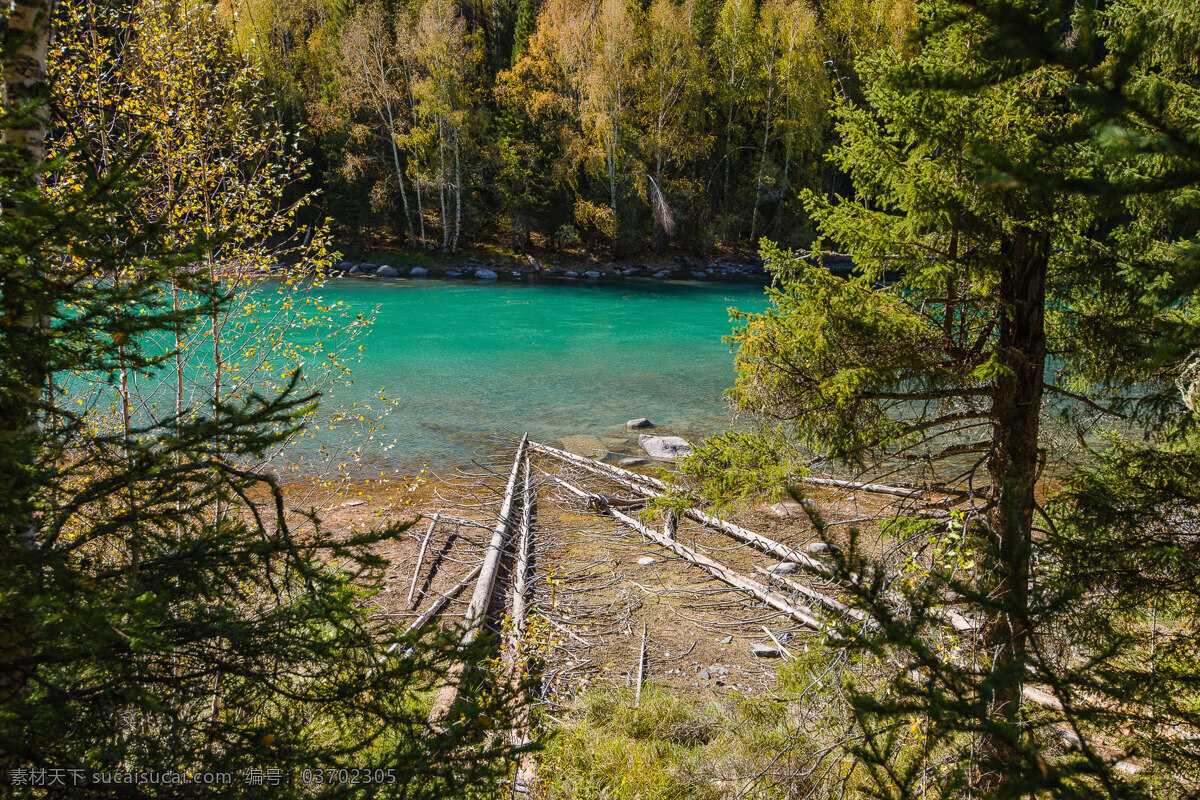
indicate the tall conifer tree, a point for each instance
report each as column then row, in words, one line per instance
column 989, row 313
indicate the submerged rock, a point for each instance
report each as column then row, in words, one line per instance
column 640, row 422
column 632, row 462
column 584, row 445
column 664, row 448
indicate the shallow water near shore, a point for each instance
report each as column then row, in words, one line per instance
column 465, row 363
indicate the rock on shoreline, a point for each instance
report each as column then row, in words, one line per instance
column 664, row 448
column 747, row 268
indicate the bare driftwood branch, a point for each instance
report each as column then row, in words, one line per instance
column 421, row 559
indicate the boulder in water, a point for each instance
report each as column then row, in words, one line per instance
column 418, row 272
column 387, row 271
column 485, row 275
column 664, row 448
column 592, row 275
column 640, row 422
column 662, row 274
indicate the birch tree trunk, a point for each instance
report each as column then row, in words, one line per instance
column 442, row 184
column 391, row 123
column 611, row 159
column 25, row 41
column 762, row 164
column 457, row 190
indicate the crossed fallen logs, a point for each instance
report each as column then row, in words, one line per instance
column 508, row 523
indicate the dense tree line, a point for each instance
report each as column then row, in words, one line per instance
column 543, row 123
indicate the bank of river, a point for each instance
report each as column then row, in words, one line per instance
column 463, row 363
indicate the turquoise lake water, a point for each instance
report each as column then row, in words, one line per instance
column 465, row 363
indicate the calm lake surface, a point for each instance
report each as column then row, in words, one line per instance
column 464, row 363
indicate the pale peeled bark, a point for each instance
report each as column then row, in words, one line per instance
column 26, row 39
column 481, row 599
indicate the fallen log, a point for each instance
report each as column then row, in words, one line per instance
column 519, row 580
column 421, row 559
column 526, row 774
column 876, row 488
column 716, row 569
column 481, row 598
column 769, row 546
column 760, row 542
column 441, row 602
column 622, row 475
column 815, row 596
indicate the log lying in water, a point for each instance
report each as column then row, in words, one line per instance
column 477, row 608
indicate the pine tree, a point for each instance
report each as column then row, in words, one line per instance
column 998, row 307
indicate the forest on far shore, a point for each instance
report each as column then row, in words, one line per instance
column 551, row 124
